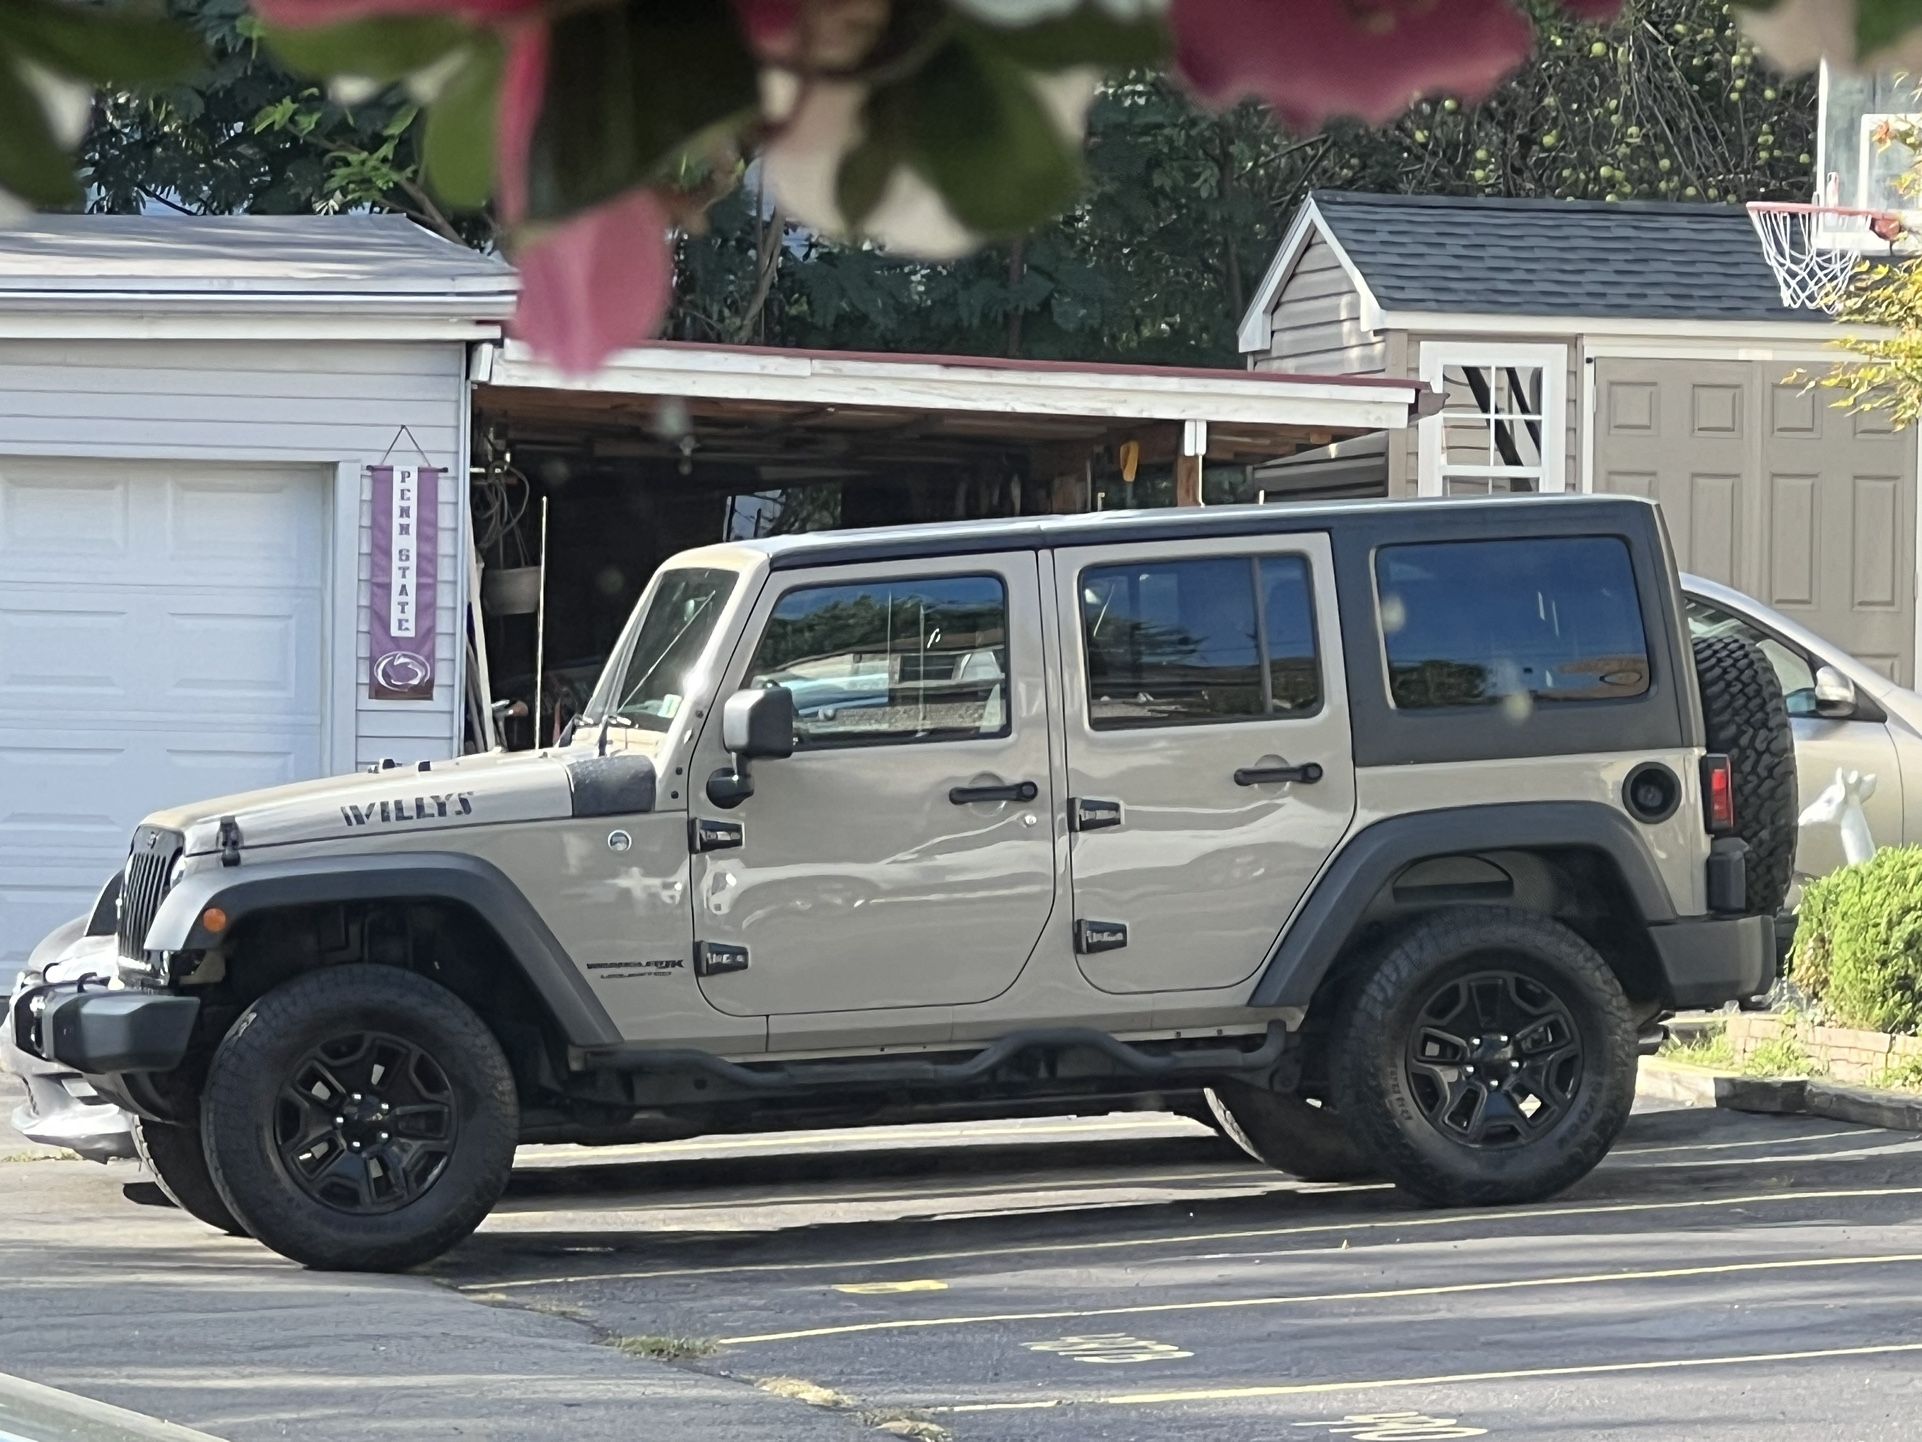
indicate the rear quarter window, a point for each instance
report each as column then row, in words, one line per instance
column 1511, row 623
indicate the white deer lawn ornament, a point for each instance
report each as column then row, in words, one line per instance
column 1840, row 806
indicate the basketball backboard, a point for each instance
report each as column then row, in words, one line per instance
column 1861, row 161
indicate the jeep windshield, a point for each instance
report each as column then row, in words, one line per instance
column 646, row 681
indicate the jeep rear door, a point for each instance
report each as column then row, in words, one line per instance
column 904, row 855
column 1209, row 763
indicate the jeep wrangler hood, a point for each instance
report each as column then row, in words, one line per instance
column 485, row 790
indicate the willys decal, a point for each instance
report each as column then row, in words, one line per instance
column 410, row 808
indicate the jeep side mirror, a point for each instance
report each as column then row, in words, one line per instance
column 759, row 723
column 1834, row 695
column 753, row 724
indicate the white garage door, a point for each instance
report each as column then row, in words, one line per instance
column 160, row 642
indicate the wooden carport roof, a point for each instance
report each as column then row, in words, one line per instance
column 790, row 412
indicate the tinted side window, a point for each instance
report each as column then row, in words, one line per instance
column 1177, row 642
column 891, row 660
column 1474, row 623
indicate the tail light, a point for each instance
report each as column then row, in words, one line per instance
column 1718, row 795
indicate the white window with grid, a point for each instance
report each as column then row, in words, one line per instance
column 1503, row 426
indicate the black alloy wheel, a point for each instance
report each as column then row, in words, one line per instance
column 1494, row 1059
column 366, row 1123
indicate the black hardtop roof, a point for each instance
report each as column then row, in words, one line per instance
column 1498, row 514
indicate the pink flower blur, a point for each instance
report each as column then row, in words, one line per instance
column 523, row 87
column 769, row 24
column 1315, row 60
column 596, row 282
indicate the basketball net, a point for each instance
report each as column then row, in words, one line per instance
column 1812, row 270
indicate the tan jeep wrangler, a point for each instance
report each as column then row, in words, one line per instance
column 1395, row 826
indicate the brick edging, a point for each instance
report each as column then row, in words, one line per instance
column 1661, row 1080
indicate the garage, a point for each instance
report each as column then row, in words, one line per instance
column 1769, row 488
column 160, row 637
column 193, row 412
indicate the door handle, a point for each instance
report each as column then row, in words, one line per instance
column 1306, row 774
column 1014, row 791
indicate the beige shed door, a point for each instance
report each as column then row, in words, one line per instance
column 1770, row 489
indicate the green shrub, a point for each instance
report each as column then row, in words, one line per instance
column 1781, row 1056
column 1858, row 943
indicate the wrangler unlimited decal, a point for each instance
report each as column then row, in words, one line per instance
column 410, row 808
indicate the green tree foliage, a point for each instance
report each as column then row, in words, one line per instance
column 1882, row 366
column 245, row 135
column 1184, row 209
column 1181, row 213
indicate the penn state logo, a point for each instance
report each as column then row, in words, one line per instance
column 403, row 670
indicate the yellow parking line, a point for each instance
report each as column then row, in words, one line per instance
column 1223, row 1304
column 1399, row 1222
column 1376, row 1384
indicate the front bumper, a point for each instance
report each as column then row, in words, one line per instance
column 107, row 1033
column 1707, row 961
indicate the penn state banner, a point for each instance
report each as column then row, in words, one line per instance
column 400, row 626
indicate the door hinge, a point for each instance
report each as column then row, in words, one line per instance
column 714, row 958
column 706, row 834
column 1093, row 936
column 1085, row 813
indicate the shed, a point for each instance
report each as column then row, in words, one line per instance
column 189, row 408
column 1590, row 346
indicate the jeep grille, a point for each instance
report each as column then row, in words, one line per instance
column 149, row 865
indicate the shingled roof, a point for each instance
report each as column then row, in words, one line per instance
column 1492, row 256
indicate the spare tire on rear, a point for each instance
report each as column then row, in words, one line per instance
column 1748, row 723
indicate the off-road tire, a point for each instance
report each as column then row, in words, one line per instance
column 1748, row 722
column 1288, row 1133
column 1372, row 1085
column 176, row 1160
column 256, row 1060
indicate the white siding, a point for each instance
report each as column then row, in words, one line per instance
column 1346, row 470
column 269, row 402
column 1315, row 327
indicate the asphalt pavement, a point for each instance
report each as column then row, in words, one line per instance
column 1720, row 1276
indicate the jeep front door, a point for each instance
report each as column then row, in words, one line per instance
column 903, row 856
column 1209, row 764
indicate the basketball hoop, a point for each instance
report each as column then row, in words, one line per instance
column 1811, row 269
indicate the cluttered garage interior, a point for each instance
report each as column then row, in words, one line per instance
column 580, row 490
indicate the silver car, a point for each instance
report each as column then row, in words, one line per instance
column 1846, row 715
column 61, row 1110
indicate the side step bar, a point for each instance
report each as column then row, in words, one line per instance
column 1126, row 1058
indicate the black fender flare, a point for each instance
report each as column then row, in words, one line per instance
column 420, row 875
column 1375, row 855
